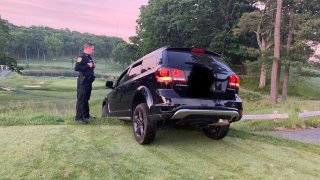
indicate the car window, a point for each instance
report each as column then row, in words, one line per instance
column 122, row 78
column 135, row 70
column 150, row 62
column 185, row 61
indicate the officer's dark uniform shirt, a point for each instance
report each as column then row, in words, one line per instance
column 82, row 65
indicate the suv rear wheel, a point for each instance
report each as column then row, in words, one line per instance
column 216, row 132
column 143, row 128
column 105, row 110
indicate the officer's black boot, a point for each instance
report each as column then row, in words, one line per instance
column 82, row 121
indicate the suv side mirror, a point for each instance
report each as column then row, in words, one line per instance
column 109, row 84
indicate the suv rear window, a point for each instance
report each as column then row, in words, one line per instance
column 185, row 60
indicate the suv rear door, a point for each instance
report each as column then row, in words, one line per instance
column 206, row 74
column 130, row 87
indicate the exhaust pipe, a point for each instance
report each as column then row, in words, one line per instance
column 220, row 122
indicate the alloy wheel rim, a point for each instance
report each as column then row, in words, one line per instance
column 138, row 123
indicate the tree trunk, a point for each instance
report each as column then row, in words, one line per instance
column 276, row 54
column 279, row 70
column 38, row 53
column 287, row 67
column 263, row 70
column 44, row 57
column 285, row 84
column 263, row 76
column 25, row 54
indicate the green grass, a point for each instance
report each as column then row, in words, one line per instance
column 46, row 83
column 51, row 103
column 110, row 152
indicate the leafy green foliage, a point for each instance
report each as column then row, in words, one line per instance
column 54, row 45
column 192, row 23
column 5, row 57
column 44, row 42
column 124, row 54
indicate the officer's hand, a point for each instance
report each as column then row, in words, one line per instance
column 90, row 64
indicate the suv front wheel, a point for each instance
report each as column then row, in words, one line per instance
column 216, row 132
column 105, row 110
column 143, row 128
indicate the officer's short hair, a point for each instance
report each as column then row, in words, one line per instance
column 87, row 45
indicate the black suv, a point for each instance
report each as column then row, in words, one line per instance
column 180, row 86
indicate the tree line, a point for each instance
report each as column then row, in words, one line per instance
column 45, row 43
column 40, row 42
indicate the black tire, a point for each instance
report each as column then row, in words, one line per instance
column 144, row 129
column 216, row 132
column 105, row 110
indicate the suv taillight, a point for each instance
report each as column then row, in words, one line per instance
column 197, row 50
column 170, row 75
column 234, row 82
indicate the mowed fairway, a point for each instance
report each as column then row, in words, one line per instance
column 110, row 152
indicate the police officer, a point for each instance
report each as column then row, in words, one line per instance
column 85, row 66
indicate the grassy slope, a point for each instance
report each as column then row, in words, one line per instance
column 110, row 151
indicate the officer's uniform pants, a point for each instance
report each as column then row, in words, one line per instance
column 83, row 96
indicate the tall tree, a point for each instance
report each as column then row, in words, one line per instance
column 302, row 30
column 276, row 54
column 54, row 45
column 38, row 34
column 261, row 23
column 288, row 47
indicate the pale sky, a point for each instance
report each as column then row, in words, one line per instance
column 100, row 17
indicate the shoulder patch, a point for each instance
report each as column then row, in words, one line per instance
column 79, row 59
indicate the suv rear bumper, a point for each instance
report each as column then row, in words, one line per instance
column 184, row 113
column 196, row 115
column 195, row 111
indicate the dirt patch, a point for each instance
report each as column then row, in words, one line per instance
column 34, row 85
